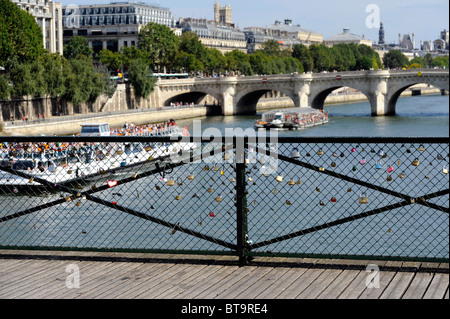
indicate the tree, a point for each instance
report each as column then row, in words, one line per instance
column 23, row 81
column 214, row 61
column 395, row 59
column 344, row 58
column 190, row 43
column 78, row 47
column 440, row 62
column 238, row 61
column 322, row 57
column 113, row 60
column 53, row 75
column 302, row 54
column 271, row 48
column 141, row 78
column 160, row 44
column 82, row 81
column 370, row 53
column 5, row 88
column 20, row 35
column 428, row 60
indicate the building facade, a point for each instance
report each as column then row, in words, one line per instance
column 220, row 36
column 112, row 26
column 286, row 34
column 48, row 15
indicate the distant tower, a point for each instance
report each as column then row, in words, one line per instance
column 399, row 39
column 381, row 39
column 223, row 14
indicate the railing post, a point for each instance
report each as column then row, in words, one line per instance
column 241, row 205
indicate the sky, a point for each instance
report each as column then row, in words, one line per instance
column 328, row 17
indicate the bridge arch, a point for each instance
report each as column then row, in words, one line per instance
column 318, row 97
column 188, row 97
column 396, row 90
column 246, row 101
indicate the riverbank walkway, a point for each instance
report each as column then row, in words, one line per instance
column 55, row 275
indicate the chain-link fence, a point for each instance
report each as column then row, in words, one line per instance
column 371, row 198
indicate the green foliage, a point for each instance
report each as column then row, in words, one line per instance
column 440, row 62
column 395, row 59
column 303, row 55
column 5, row 88
column 190, row 43
column 53, row 74
column 215, row 61
column 238, row 61
column 271, row 48
column 141, row 78
column 160, row 43
column 77, row 48
column 113, row 60
column 20, row 35
column 323, row 60
column 23, row 80
column 83, row 83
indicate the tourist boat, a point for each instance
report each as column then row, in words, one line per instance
column 292, row 119
column 82, row 163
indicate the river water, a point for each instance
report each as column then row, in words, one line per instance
column 275, row 209
column 417, row 116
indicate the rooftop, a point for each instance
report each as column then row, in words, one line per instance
column 345, row 36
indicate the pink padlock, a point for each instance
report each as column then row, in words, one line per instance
column 390, row 169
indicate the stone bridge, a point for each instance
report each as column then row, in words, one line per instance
column 240, row 95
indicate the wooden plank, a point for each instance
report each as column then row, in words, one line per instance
column 130, row 281
column 22, row 276
column 438, row 287
column 375, row 293
column 235, row 276
column 6, row 265
column 175, row 286
column 335, row 289
column 291, row 276
column 151, row 279
column 418, row 286
column 46, row 278
column 88, row 272
column 398, row 285
column 92, row 274
column 320, row 284
column 239, row 288
column 273, row 278
column 106, row 282
column 219, row 274
column 152, row 285
column 300, row 284
column 356, row 287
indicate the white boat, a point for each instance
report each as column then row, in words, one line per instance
column 85, row 162
column 293, row 119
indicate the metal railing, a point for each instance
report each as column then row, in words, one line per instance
column 363, row 198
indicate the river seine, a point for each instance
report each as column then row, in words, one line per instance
column 206, row 204
column 417, row 116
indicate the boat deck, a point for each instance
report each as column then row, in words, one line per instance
column 45, row 275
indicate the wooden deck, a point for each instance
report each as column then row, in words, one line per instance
column 43, row 275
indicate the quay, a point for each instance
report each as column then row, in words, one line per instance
column 44, row 275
